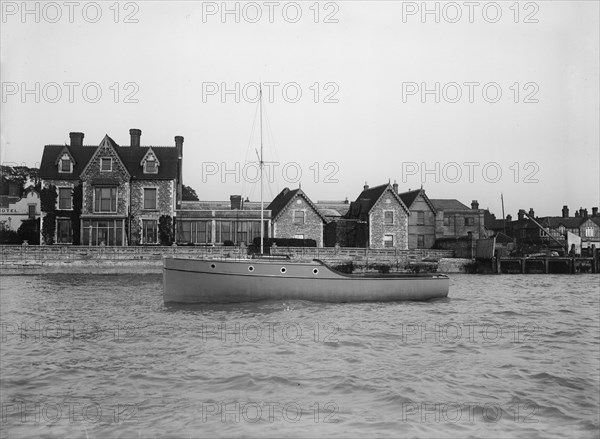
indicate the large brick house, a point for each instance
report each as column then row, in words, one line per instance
column 377, row 219
column 421, row 222
column 455, row 220
column 294, row 215
column 109, row 194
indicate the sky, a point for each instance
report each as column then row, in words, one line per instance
column 468, row 100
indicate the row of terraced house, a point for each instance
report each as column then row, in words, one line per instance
column 110, row 194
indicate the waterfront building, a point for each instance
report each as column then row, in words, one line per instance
column 219, row 222
column 378, row 218
column 110, row 194
column 15, row 209
column 294, row 215
column 454, row 220
column 422, row 219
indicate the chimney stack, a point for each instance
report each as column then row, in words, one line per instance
column 521, row 214
column 395, row 186
column 179, row 146
column 585, row 213
column 531, row 212
column 135, row 135
column 509, row 218
column 366, row 186
column 236, row 202
column 576, row 214
column 581, row 212
column 474, row 205
column 565, row 211
column 76, row 139
column 594, row 211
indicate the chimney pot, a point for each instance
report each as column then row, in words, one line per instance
column 594, row 211
column 531, row 212
column 521, row 214
column 395, row 186
column 76, row 139
column 509, row 217
column 135, row 135
column 565, row 211
column 474, row 205
column 366, row 186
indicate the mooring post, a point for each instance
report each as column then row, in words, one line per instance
column 546, row 265
column 522, row 265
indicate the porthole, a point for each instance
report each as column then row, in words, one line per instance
column 283, row 270
column 315, row 271
column 212, row 266
column 250, row 268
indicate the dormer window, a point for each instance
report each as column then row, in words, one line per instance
column 150, row 167
column 106, row 164
column 150, row 163
column 65, row 164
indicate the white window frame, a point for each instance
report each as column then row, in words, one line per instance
column 60, row 164
column 155, row 166
column 111, row 162
column 94, row 199
column 70, row 198
column 155, row 198
column 385, row 241
column 294, row 216
column 384, row 218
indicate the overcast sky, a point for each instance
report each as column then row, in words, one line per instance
column 517, row 86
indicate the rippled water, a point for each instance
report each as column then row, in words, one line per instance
column 102, row 356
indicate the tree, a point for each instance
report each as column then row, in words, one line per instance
column 188, row 194
column 165, row 230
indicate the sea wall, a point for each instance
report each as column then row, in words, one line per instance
column 113, row 260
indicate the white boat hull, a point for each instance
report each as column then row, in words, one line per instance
column 231, row 281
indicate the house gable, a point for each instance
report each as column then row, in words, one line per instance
column 93, row 170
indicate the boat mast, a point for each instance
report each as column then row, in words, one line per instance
column 262, row 210
column 503, row 217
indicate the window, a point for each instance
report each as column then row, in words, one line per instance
column 223, row 231
column 469, row 221
column 66, row 165
column 31, row 211
column 388, row 217
column 543, row 233
column 420, row 218
column 589, row 232
column 105, row 199
column 150, row 198
column 561, row 230
column 150, row 166
column 102, row 232
column 149, row 231
column 64, row 234
column 298, row 217
column 448, row 220
column 64, row 198
column 106, row 164
column 388, row 241
column 420, row 241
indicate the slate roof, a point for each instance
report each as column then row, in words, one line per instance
column 284, row 198
column 360, row 208
column 448, row 204
column 408, row 198
column 131, row 156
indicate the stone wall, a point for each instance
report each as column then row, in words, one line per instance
column 377, row 227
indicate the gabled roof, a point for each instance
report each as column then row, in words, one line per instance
column 284, row 198
column 368, row 198
column 448, row 204
column 81, row 156
column 408, row 198
column 555, row 222
column 131, row 156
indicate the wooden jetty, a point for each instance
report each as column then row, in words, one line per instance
column 545, row 265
